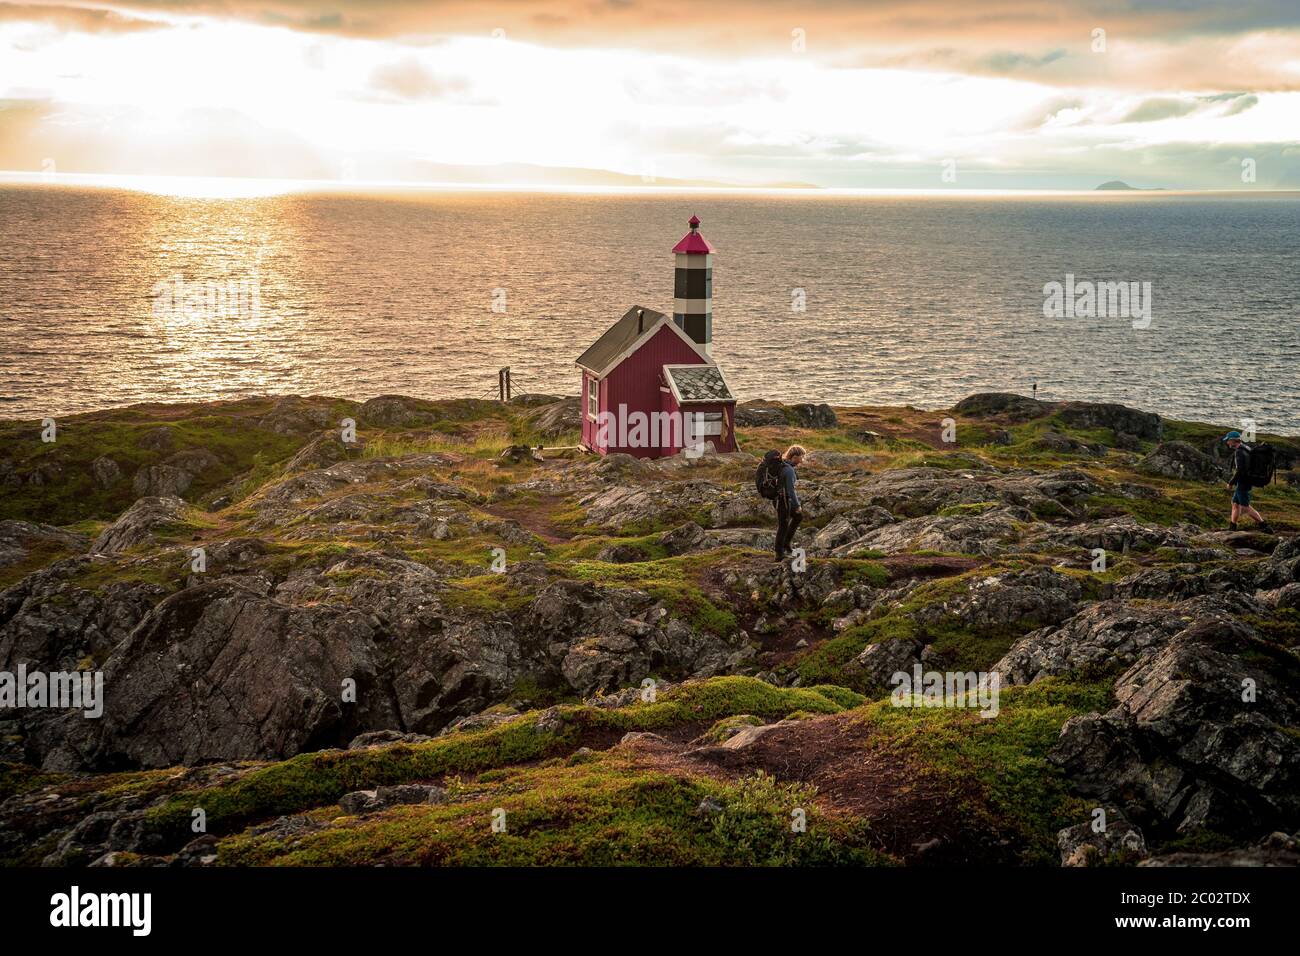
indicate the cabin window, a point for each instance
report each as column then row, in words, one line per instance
column 593, row 397
column 710, row 423
column 704, row 424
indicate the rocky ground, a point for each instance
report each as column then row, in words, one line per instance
column 429, row 647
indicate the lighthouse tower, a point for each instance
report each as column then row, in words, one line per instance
column 693, row 292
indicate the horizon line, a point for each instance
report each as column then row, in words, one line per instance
column 248, row 187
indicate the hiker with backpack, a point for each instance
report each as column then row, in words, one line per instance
column 775, row 481
column 1251, row 468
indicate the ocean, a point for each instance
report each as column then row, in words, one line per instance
column 110, row 297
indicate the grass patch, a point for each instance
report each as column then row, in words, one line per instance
column 603, row 811
column 674, row 581
column 319, row 779
column 1022, row 794
column 960, row 647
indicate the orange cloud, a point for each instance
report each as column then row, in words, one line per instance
column 1154, row 44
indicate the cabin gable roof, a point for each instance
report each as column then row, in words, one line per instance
column 622, row 340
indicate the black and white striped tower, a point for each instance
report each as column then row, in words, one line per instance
column 693, row 290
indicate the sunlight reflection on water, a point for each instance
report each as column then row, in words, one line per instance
column 909, row 301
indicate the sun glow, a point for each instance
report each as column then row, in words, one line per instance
column 179, row 187
column 208, row 187
column 203, row 98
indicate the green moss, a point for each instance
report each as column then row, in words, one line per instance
column 1281, row 627
column 725, row 728
column 40, row 553
column 1020, row 793
column 73, row 495
column 960, row 646
column 18, row 778
column 487, row 594
column 167, row 570
column 602, row 811
column 647, row 547
column 1198, row 841
column 974, row 508
column 861, row 570
column 674, row 581
column 319, row 779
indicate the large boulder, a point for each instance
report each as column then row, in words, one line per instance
column 1178, row 459
column 912, row 492
column 49, row 621
column 999, row 602
column 390, row 411
column 324, row 450
column 173, row 476
column 1120, row 419
column 161, row 481
column 1004, row 405
column 293, row 415
column 807, row 415
column 1117, row 535
column 1179, row 583
column 756, row 414
column 984, row 534
column 21, row 539
column 601, row 639
column 1282, row 567
column 1200, row 737
column 224, row 671
column 556, row 419
column 1091, row 844
column 1107, row 635
column 684, row 539
column 161, row 439
column 620, row 504
column 879, row 662
column 106, row 472
column 849, row 527
column 139, row 523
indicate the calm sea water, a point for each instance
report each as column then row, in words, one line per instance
column 917, row 300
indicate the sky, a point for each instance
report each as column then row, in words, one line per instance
column 976, row 94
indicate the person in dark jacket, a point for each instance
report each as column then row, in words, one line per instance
column 1240, row 482
column 788, row 510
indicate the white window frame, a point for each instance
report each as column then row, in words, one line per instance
column 593, row 398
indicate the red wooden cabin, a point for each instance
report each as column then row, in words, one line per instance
column 649, row 386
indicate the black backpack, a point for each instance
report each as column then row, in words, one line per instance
column 1261, row 463
column 767, row 479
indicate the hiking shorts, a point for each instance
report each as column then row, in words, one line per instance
column 1241, row 495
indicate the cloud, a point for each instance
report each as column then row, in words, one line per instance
column 1002, row 93
column 1154, row 44
column 408, row 79
column 1157, row 109
column 1161, row 108
column 1003, row 62
column 76, row 19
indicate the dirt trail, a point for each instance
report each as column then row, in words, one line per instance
column 915, row 814
column 534, row 516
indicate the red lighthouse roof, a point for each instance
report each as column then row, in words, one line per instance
column 693, row 243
